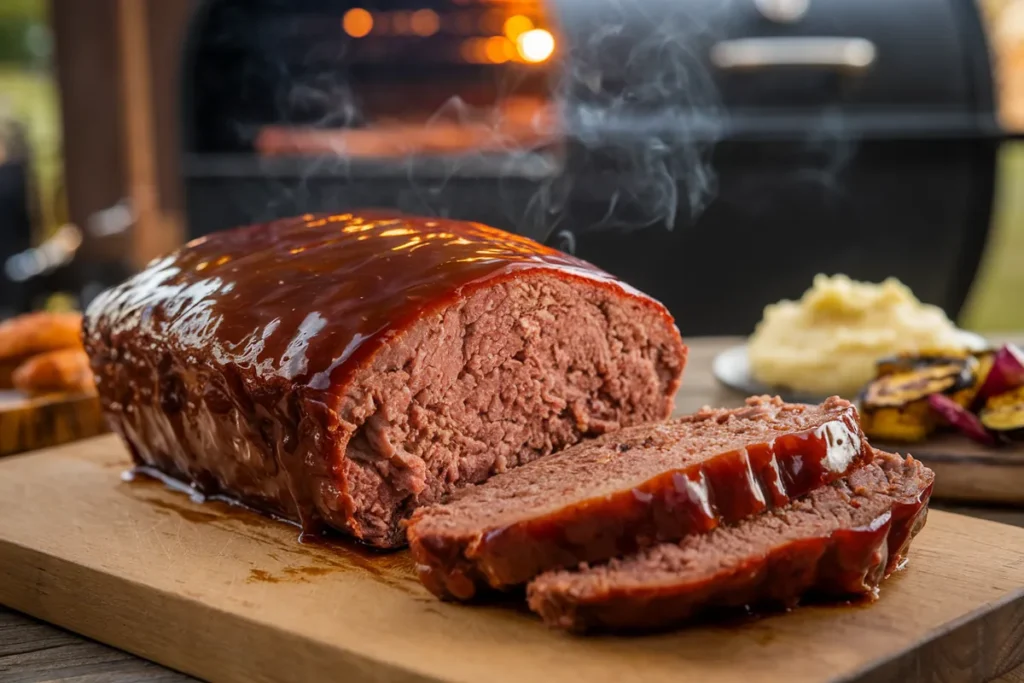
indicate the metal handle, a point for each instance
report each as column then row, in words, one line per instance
column 855, row 54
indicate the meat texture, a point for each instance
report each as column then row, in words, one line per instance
column 642, row 485
column 341, row 370
column 839, row 541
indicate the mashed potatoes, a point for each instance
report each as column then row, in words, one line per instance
column 828, row 341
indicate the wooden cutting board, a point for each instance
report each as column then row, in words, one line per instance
column 969, row 472
column 28, row 423
column 226, row 595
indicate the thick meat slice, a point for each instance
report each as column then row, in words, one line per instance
column 840, row 540
column 650, row 483
column 342, row 370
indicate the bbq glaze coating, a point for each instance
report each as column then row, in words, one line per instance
column 845, row 563
column 225, row 364
column 720, row 488
column 307, row 299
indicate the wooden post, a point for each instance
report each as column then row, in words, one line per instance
column 156, row 231
column 91, row 114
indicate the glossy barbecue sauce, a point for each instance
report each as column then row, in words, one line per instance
column 304, row 301
column 856, row 560
column 307, row 298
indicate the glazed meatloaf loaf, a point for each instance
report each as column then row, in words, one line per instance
column 840, row 540
column 613, row 495
column 341, row 370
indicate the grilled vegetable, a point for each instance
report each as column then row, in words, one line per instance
column 911, row 360
column 903, row 388
column 895, row 406
column 909, row 423
column 981, row 366
column 960, row 417
column 1007, row 373
column 917, row 393
column 1004, row 413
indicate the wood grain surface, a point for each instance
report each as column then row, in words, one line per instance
column 29, row 423
column 967, row 471
column 32, row 651
column 226, row 595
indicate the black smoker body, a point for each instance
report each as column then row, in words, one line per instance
column 716, row 155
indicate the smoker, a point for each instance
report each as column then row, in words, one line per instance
column 715, row 155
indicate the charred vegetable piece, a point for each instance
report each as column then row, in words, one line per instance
column 964, row 420
column 910, row 423
column 903, row 388
column 983, row 364
column 1007, row 373
column 911, row 360
column 1004, row 413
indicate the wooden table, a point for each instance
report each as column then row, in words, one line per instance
column 33, row 652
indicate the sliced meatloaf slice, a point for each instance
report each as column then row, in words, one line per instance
column 624, row 491
column 840, row 540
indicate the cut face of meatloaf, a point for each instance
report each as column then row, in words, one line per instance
column 840, row 540
column 613, row 495
column 342, row 370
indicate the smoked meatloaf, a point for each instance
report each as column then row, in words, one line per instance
column 342, row 370
column 613, row 495
column 838, row 541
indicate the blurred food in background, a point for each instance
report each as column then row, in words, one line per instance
column 979, row 394
column 63, row 370
column 42, row 352
column 829, row 341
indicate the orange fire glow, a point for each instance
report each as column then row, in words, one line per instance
column 425, row 22
column 536, row 45
column 495, row 49
column 516, row 26
column 357, row 22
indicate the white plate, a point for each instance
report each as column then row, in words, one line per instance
column 732, row 368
